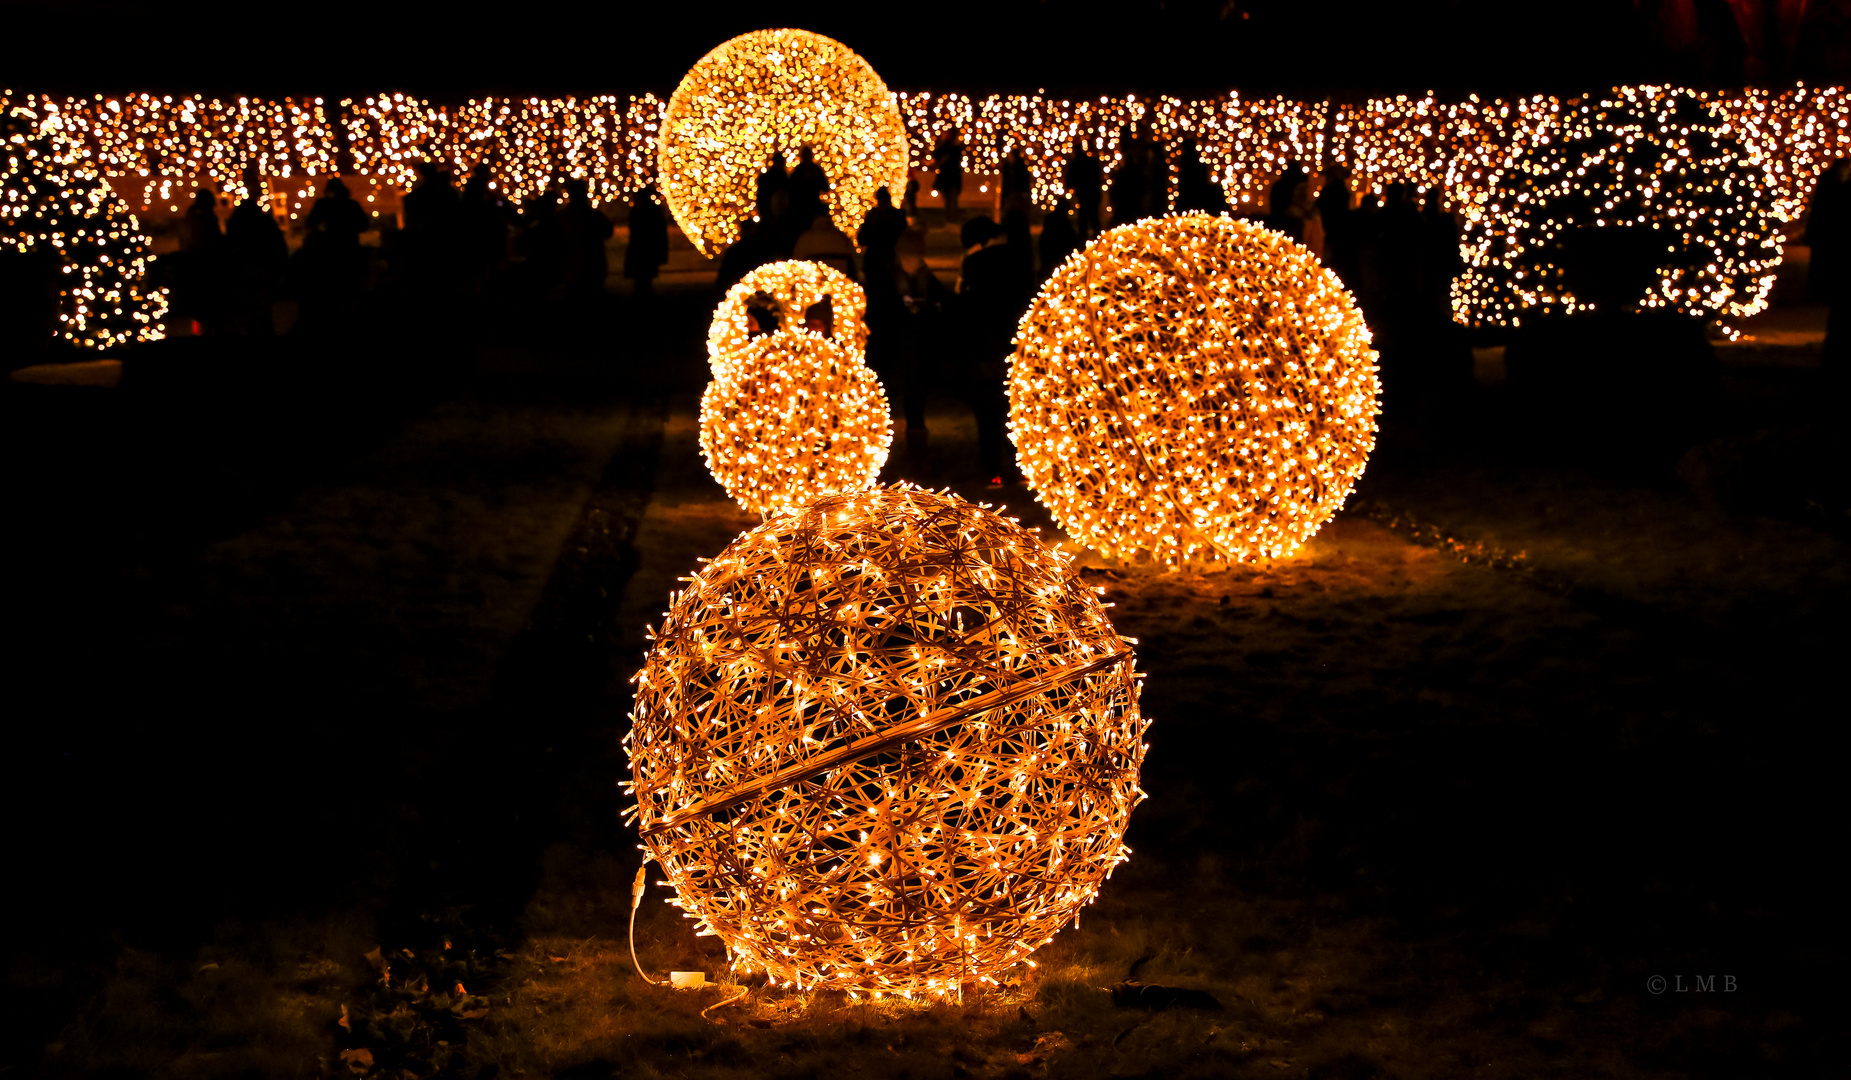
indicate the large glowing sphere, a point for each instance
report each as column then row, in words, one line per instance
column 788, row 290
column 774, row 91
column 795, row 418
column 887, row 742
column 1193, row 387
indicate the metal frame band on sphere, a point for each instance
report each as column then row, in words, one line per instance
column 767, row 92
column 1193, row 387
column 889, row 742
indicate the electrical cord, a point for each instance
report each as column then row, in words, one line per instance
column 636, row 901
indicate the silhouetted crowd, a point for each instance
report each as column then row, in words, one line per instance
column 451, row 248
column 1398, row 255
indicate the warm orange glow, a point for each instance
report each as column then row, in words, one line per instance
column 794, row 417
column 1193, row 387
column 770, row 92
column 889, row 742
column 793, row 286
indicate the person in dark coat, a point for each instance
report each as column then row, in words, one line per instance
column 1196, row 189
column 1086, row 181
column 485, row 228
column 1828, row 233
column 198, row 272
column 330, row 268
column 1282, row 203
column 259, row 256
column 1016, row 184
column 922, row 335
column 584, row 230
column 746, row 254
column 1342, row 242
column 948, row 160
column 808, row 183
column 1058, row 237
column 991, row 297
column 648, row 249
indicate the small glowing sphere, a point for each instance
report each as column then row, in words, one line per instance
column 767, row 92
column 796, row 418
column 1193, row 387
column 794, row 286
column 887, row 742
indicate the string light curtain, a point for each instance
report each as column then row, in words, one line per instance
column 889, row 743
column 1194, row 387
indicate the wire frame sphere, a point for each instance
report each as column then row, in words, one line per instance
column 795, row 286
column 767, row 92
column 887, row 742
column 1193, row 387
column 795, row 419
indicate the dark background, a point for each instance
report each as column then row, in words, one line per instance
column 1259, row 46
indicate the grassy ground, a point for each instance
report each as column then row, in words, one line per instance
column 1438, row 796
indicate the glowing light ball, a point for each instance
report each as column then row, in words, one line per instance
column 1655, row 159
column 1193, row 387
column 774, row 91
column 796, row 418
column 888, row 742
column 794, row 287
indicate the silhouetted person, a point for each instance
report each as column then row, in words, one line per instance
column 431, row 240
column 485, row 227
column 259, row 255
column 808, row 183
column 991, row 297
column 880, row 231
column 1828, row 232
column 1059, row 239
column 330, row 268
column 923, row 338
column 1131, row 187
column 1196, row 189
column 948, row 161
column 745, row 255
column 1016, row 184
column 910, row 203
column 1086, row 180
column 770, row 187
column 198, row 272
column 1449, row 351
column 1342, row 242
column 1392, row 258
column 583, row 231
column 648, row 249
column 541, row 246
column 1284, row 208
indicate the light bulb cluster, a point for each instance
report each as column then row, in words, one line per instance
column 784, row 292
column 52, row 200
column 886, row 743
column 155, row 147
column 1659, row 161
column 793, row 413
column 1193, row 387
column 770, row 93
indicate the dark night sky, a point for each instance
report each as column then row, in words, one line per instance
column 453, row 49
